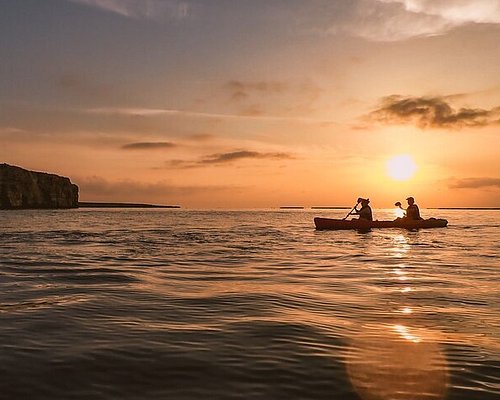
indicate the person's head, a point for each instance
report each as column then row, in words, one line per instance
column 364, row 202
column 410, row 200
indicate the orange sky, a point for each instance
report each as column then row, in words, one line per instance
column 255, row 103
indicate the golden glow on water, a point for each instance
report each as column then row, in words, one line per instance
column 405, row 334
column 398, row 360
column 399, row 213
column 398, row 363
column 361, row 316
column 400, row 246
column 401, row 275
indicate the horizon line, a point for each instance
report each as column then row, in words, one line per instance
column 119, row 204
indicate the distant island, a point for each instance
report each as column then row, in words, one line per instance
column 330, row 208
column 315, row 208
column 92, row 204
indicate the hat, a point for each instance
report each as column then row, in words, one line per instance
column 410, row 198
column 361, row 200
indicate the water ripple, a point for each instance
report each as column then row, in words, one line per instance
column 179, row 304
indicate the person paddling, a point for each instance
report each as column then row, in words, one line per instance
column 365, row 212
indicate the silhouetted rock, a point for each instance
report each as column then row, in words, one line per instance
column 20, row 188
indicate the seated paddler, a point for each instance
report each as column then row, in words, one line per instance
column 365, row 212
column 412, row 212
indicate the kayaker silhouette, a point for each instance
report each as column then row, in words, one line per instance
column 366, row 222
column 412, row 211
column 365, row 212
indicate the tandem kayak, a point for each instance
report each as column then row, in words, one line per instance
column 341, row 224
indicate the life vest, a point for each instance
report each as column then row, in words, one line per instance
column 365, row 213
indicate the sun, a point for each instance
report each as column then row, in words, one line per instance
column 401, row 167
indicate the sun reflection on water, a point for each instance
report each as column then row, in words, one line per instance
column 397, row 360
column 399, row 213
column 406, row 310
column 401, row 274
column 401, row 245
column 405, row 334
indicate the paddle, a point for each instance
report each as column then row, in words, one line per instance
column 352, row 210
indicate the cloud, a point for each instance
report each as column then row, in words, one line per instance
column 180, row 164
column 394, row 20
column 378, row 21
column 201, row 137
column 432, row 112
column 147, row 9
column 272, row 97
column 240, row 90
column 148, row 146
column 475, row 183
column 227, row 158
column 222, row 158
column 64, row 120
column 456, row 11
column 248, row 113
column 8, row 130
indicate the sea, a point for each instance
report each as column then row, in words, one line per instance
column 247, row 304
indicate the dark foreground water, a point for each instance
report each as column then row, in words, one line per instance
column 174, row 304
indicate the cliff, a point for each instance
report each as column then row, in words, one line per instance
column 20, row 188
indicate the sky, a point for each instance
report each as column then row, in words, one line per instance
column 255, row 103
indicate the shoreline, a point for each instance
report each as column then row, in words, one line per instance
column 92, row 204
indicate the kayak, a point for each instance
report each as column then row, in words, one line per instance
column 341, row 224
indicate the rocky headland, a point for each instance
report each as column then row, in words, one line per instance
column 23, row 189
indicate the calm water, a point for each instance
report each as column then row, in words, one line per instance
column 175, row 304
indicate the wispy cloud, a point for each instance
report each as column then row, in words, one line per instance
column 385, row 22
column 7, row 130
column 180, row 164
column 241, row 90
column 396, row 20
column 263, row 98
column 223, row 158
column 456, row 11
column 227, row 158
column 151, row 112
column 432, row 112
column 201, row 137
column 148, row 146
column 150, row 9
column 475, row 183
